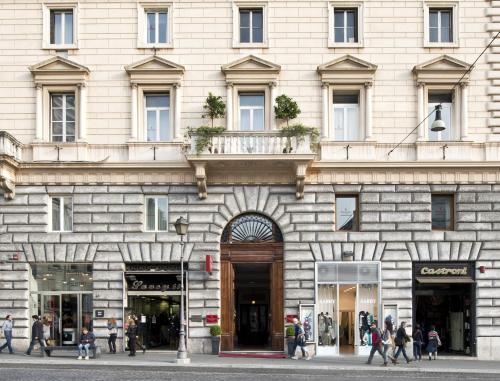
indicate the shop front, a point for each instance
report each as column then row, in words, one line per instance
column 348, row 300
column 153, row 300
column 62, row 295
column 444, row 297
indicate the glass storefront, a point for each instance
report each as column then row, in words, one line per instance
column 347, row 302
column 62, row 295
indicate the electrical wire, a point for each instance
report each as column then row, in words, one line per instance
column 455, row 85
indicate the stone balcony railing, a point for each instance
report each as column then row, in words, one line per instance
column 10, row 146
column 254, row 143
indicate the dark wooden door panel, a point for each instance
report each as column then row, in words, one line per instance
column 227, row 304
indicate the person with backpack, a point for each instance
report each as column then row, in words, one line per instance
column 401, row 339
column 377, row 344
column 434, row 343
column 300, row 340
column 418, row 340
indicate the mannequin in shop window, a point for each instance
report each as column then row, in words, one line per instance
column 326, row 329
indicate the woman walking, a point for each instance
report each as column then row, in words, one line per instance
column 300, row 340
column 418, row 340
column 434, row 343
column 132, row 336
column 401, row 339
column 7, row 332
column 112, row 333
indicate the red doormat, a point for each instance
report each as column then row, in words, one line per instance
column 255, row 355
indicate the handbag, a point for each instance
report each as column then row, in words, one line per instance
column 301, row 340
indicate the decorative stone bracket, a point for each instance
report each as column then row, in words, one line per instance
column 8, row 187
column 201, row 180
column 300, row 173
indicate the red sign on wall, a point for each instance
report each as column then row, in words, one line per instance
column 211, row 319
column 289, row 318
column 209, row 264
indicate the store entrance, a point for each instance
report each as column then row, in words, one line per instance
column 449, row 307
column 347, row 323
column 252, row 291
column 158, row 318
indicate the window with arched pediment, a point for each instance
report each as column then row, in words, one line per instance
column 251, row 228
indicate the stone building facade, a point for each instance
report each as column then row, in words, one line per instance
column 110, row 169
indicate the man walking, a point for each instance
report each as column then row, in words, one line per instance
column 7, row 331
column 36, row 335
column 377, row 344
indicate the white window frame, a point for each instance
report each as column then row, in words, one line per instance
column 64, row 199
column 331, row 23
column 142, row 23
column 455, row 113
column 47, row 92
column 46, row 9
column 142, row 91
column 252, row 109
column 344, row 107
column 154, row 197
column 454, row 6
column 157, row 112
column 360, row 88
column 268, row 104
column 237, row 5
column 64, row 121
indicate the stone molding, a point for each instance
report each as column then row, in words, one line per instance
column 347, row 70
column 251, row 70
column 442, row 69
column 59, row 71
column 155, row 70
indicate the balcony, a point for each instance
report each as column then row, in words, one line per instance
column 235, row 152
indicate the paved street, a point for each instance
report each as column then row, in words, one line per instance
column 86, row 371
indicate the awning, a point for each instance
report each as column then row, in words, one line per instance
column 445, row 280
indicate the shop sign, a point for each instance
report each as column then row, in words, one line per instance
column 443, row 269
column 154, row 267
column 289, row 318
column 153, row 282
column 99, row 313
column 211, row 319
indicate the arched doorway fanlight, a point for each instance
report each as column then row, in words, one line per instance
column 251, row 228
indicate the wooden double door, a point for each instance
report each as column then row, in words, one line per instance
column 252, row 253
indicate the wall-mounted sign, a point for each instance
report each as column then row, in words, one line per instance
column 196, row 318
column 209, row 264
column 99, row 313
column 211, row 319
column 444, row 269
column 289, row 318
column 152, row 282
column 172, row 268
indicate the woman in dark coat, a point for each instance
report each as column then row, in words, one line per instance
column 418, row 340
column 132, row 334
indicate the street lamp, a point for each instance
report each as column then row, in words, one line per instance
column 438, row 124
column 181, row 227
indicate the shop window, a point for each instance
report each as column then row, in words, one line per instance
column 445, row 99
column 442, row 212
column 346, row 213
column 61, row 213
column 156, row 213
column 346, row 116
column 157, row 117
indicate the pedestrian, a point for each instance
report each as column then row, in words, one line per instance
column 112, row 332
column 418, row 340
column 87, row 340
column 401, row 339
column 36, row 336
column 377, row 344
column 434, row 343
column 300, row 340
column 132, row 336
column 387, row 340
column 7, row 333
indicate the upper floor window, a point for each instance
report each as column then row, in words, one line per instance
column 346, row 212
column 446, row 101
column 249, row 24
column 62, row 117
column 60, row 26
column 441, row 23
column 442, row 212
column 251, row 107
column 346, row 25
column 156, row 213
column 157, row 116
column 346, row 116
column 157, row 27
column 61, row 213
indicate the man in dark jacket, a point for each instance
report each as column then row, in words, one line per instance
column 87, row 340
column 36, row 336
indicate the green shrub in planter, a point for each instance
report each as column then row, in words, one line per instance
column 215, row 330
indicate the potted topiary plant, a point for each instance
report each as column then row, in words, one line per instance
column 215, row 332
column 214, row 108
column 287, row 109
column 290, row 339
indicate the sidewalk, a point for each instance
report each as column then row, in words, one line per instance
column 167, row 360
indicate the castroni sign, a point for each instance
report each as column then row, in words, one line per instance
column 443, row 269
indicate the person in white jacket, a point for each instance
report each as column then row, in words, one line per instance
column 7, row 332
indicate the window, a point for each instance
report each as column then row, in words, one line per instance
column 61, row 214
column 441, row 23
column 61, row 26
column 157, row 27
column 157, row 115
column 346, row 116
column 62, row 117
column 442, row 212
column 251, row 107
column 346, row 25
column 156, row 213
column 251, row 26
column 446, row 101
column 346, row 212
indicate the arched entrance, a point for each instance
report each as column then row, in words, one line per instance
column 252, row 284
